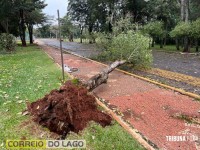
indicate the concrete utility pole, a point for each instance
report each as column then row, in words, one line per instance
column 61, row 51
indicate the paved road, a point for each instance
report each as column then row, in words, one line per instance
column 175, row 62
column 86, row 50
column 182, row 63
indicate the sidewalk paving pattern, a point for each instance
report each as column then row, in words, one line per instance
column 150, row 109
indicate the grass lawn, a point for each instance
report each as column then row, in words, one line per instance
column 28, row 75
column 172, row 48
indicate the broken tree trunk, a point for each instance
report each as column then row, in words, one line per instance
column 102, row 77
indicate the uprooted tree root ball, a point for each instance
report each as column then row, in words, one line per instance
column 68, row 109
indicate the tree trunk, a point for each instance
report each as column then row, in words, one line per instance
column 152, row 44
column 30, row 31
column 93, row 39
column 185, row 18
column 182, row 9
column 102, row 77
column 186, row 10
column 177, row 44
column 5, row 25
column 186, row 44
column 81, row 38
column 182, row 42
column 71, row 37
column 110, row 27
column 161, row 42
column 111, row 16
column 90, row 33
column 197, row 45
column 22, row 28
column 165, row 41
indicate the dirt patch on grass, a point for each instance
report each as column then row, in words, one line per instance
column 68, row 109
column 35, row 131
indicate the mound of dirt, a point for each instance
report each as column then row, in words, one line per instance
column 68, row 109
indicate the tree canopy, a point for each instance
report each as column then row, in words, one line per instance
column 160, row 18
column 17, row 15
column 166, row 21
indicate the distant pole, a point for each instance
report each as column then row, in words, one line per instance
column 61, row 51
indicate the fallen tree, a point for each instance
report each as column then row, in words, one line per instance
column 102, row 77
column 72, row 106
column 130, row 47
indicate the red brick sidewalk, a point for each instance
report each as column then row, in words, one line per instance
column 152, row 110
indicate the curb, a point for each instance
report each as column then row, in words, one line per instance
column 132, row 132
column 139, row 77
column 49, row 56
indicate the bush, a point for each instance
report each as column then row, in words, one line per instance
column 133, row 47
column 7, row 43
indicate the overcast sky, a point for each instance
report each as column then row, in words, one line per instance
column 54, row 5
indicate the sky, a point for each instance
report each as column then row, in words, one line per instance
column 54, row 5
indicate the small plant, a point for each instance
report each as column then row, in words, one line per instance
column 197, row 99
column 7, row 43
column 75, row 81
column 188, row 119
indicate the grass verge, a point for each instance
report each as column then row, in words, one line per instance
column 171, row 48
column 28, row 75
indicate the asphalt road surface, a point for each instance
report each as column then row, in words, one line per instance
column 86, row 50
column 182, row 63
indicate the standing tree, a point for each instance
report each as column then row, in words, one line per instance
column 155, row 30
column 67, row 28
column 15, row 13
column 22, row 6
column 185, row 18
column 8, row 21
column 195, row 31
column 181, row 31
column 5, row 14
column 32, row 18
column 95, row 15
column 44, row 31
column 137, row 9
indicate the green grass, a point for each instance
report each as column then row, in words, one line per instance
column 171, row 48
column 27, row 75
column 108, row 138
